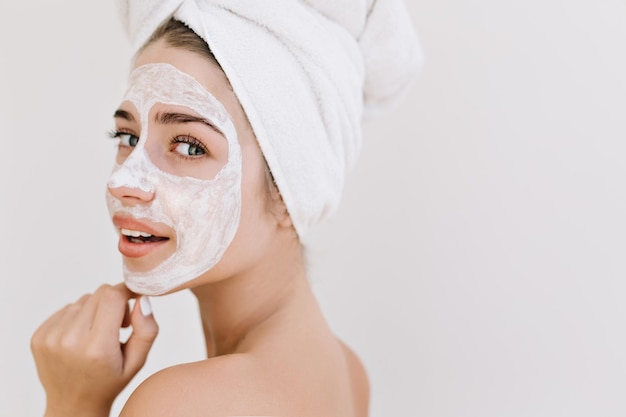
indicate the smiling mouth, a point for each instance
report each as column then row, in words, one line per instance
column 135, row 236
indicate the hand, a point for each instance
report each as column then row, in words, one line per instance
column 80, row 360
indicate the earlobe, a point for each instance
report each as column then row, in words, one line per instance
column 283, row 219
column 278, row 208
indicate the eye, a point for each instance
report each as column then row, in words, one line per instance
column 187, row 149
column 187, row 146
column 125, row 138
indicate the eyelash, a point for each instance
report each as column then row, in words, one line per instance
column 190, row 140
column 115, row 134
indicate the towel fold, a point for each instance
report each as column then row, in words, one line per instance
column 305, row 72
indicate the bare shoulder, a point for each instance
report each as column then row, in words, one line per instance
column 359, row 380
column 225, row 385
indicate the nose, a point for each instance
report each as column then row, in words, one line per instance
column 133, row 182
column 131, row 196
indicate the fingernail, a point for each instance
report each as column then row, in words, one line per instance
column 145, row 306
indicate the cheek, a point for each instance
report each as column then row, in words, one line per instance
column 256, row 214
column 255, row 232
column 254, row 202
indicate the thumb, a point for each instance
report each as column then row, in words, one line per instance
column 145, row 330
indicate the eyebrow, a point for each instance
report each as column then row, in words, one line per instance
column 123, row 114
column 168, row 118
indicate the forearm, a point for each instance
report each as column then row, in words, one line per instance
column 70, row 412
column 76, row 411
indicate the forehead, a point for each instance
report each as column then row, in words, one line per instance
column 163, row 83
column 202, row 69
column 208, row 74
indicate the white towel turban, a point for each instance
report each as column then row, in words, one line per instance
column 305, row 71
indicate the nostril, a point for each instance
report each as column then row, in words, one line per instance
column 131, row 194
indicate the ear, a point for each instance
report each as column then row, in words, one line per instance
column 279, row 209
column 285, row 219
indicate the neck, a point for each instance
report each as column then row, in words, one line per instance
column 233, row 308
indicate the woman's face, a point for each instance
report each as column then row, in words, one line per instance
column 187, row 192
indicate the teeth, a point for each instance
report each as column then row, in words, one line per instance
column 134, row 233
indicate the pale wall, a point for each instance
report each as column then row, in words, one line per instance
column 477, row 263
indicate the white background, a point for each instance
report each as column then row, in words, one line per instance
column 477, row 264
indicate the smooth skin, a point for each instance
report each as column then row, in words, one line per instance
column 270, row 350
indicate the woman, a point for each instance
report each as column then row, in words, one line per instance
column 215, row 183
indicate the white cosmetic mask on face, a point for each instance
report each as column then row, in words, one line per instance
column 203, row 213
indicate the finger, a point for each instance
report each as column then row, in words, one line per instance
column 126, row 320
column 145, row 330
column 58, row 331
column 58, row 322
column 58, row 315
column 109, row 315
column 82, row 300
column 82, row 313
column 47, row 331
column 122, row 287
column 53, row 319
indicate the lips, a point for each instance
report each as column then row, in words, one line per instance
column 138, row 238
